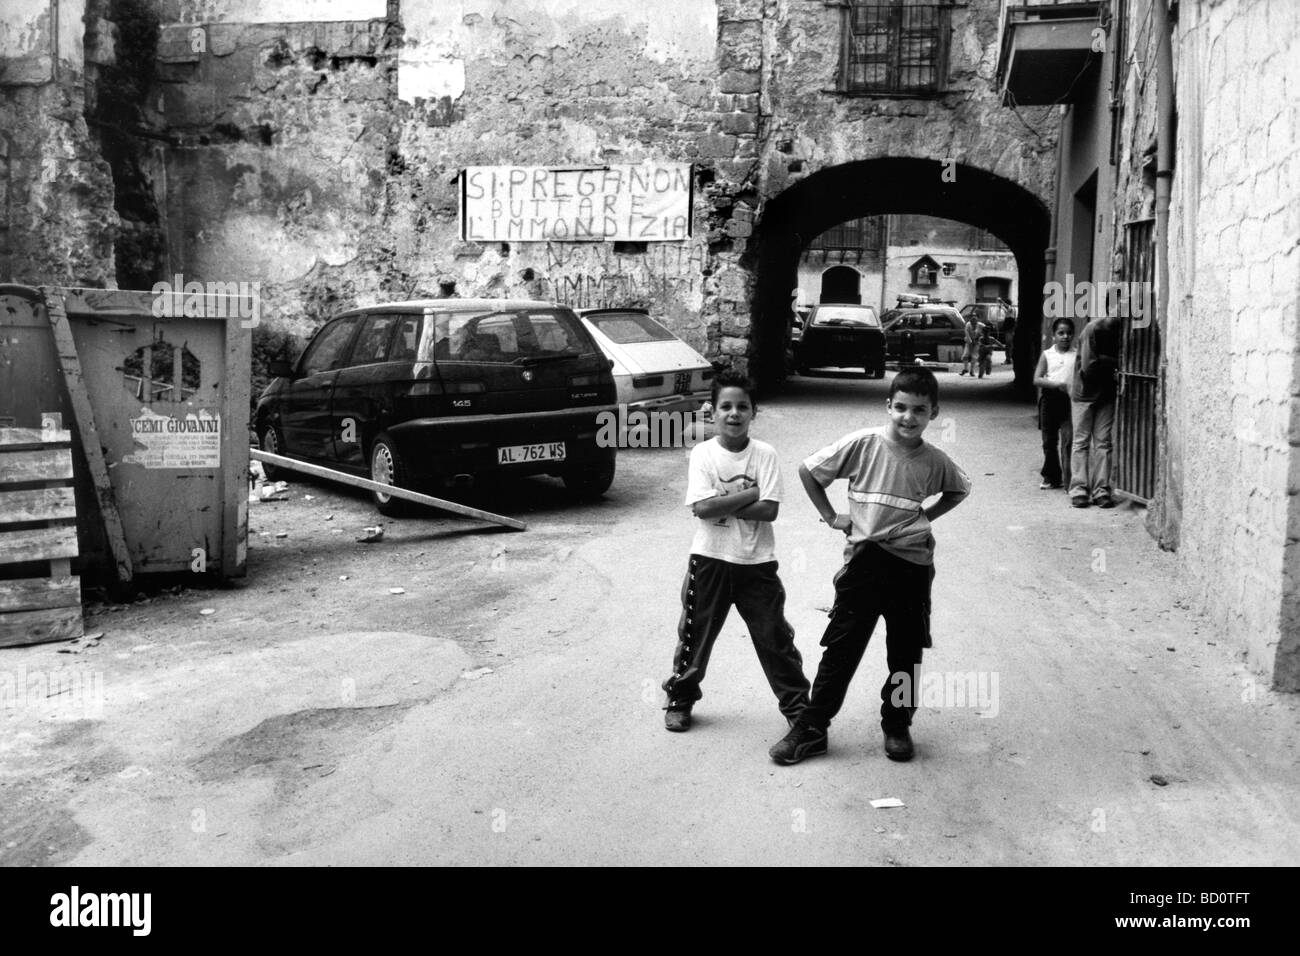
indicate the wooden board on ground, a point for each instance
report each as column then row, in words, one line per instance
column 37, row 627
column 368, row 485
column 37, row 594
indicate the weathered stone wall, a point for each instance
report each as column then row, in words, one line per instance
column 1231, row 337
column 56, row 198
column 320, row 158
column 808, row 126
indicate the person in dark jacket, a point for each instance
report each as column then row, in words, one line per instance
column 1092, row 408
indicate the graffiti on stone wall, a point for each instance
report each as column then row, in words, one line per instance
column 646, row 203
column 594, row 277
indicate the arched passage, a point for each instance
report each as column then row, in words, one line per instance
column 841, row 284
column 875, row 187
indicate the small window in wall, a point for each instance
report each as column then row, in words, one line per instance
column 950, row 268
column 161, row 372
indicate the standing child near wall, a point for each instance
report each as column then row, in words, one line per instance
column 1052, row 376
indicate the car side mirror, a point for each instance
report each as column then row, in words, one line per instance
column 281, row 368
column 611, row 363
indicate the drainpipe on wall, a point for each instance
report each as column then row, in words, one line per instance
column 1170, row 508
column 1049, row 255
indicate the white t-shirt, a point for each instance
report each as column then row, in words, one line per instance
column 1060, row 365
column 714, row 470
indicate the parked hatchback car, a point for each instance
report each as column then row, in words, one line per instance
column 445, row 392
column 654, row 370
column 922, row 331
column 841, row 336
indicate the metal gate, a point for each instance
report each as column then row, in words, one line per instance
column 1139, row 366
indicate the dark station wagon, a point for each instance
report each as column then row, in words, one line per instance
column 445, row 392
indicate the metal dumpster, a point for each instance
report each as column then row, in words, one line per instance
column 160, row 387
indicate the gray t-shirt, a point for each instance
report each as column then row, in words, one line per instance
column 888, row 484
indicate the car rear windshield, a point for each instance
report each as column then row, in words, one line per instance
column 509, row 336
column 629, row 328
column 846, row 316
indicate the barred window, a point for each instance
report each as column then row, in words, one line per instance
column 856, row 235
column 897, row 47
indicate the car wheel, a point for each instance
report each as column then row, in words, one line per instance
column 271, row 441
column 590, row 481
column 387, row 467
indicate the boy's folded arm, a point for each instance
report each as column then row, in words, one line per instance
column 720, row 505
column 760, row 511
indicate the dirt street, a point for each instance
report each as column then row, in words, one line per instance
column 505, row 707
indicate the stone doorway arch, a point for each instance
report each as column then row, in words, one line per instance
column 841, row 284
column 786, row 222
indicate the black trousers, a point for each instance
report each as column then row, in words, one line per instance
column 709, row 590
column 873, row 584
column 1058, row 436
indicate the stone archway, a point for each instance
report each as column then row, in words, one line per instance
column 872, row 187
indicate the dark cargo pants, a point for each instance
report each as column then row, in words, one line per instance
column 873, row 584
column 710, row 589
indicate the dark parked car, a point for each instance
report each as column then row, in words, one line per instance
column 841, row 336
column 921, row 331
column 444, row 392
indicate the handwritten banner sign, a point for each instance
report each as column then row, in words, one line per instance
column 650, row 202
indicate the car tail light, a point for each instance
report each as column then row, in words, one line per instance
column 462, row 388
column 645, row 381
column 425, row 388
column 579, row 380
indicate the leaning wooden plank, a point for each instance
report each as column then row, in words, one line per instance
column 34, row 594
column 34, row 436
column 35, row 627
column 368, row 485
column 38, row 544
column 85, row 420
column 52, row 464
column 37, row 504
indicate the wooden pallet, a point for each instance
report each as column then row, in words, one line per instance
column 38, row 523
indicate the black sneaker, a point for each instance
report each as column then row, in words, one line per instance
column 802, row 741
column 898, row 744
column 677, row 717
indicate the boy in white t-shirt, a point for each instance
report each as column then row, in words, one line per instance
column 734, row 491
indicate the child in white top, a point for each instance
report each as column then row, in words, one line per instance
column 734, row 491
column 1053, row 375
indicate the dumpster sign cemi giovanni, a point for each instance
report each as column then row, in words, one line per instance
column 650, row 202
column 163, row 441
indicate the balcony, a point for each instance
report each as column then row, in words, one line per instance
column 1044, row 50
